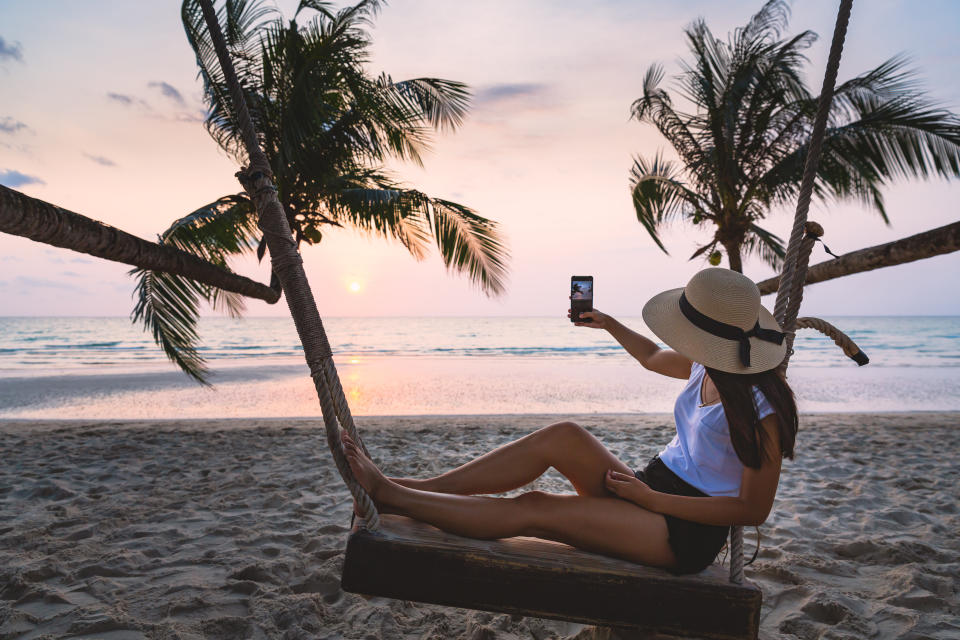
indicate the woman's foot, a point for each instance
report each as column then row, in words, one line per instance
column 364, row 470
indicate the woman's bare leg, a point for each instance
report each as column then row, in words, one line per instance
column 565, row 446
column 607, row 525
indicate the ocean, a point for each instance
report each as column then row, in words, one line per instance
column 109, row 368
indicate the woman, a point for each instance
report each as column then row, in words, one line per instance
column 736, row 419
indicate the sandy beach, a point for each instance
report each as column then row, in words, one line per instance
column 235, row 528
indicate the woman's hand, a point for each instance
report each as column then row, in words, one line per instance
column 596, row 319
column 630, row 488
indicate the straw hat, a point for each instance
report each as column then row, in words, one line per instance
column 717, row 320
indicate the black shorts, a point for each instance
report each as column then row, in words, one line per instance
column 695, row 545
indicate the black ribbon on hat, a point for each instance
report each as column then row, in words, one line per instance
column 729, row 331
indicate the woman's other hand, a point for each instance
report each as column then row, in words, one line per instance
column 629, row 488
column 596, row 319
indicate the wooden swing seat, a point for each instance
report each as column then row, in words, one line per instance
column 411, row 560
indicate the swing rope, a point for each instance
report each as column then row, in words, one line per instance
column 797, row 257
column 794, row 274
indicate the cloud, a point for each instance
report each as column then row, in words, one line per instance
column 513, row 116
column 168, row 91
column 189, row 114
column 121, row 98
column 106, row 162
column 128, row 100
column 11, row 50
column 525, row 93
column 502, row 107
column 33, row 283
column 13, row 179
column 506, row 90
column 9, row 125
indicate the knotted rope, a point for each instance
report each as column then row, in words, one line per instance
column 287, row 264
column 839, row 338
column 790, row 292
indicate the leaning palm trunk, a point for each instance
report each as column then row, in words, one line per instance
column 930, row 243
column 288, row 267
column 41, row 221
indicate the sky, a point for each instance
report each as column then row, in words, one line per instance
column 101, row 110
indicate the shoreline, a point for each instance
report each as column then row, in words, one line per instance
column 613, row 420
column 409, row 386
column 235, row 528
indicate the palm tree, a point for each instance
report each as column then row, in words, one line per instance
column 742, row 150
column 327, row 127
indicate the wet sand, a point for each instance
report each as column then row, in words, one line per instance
column 235, row 528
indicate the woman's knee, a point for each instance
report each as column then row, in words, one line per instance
column 564, row 431
column 533, row 499
column 533, row 507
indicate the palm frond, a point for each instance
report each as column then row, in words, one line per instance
column 471, row 244
column 766, row 24
column 468, row 243
column 767, row 245
column 710, row 246
column 240, row 22
column 361, row 13
column 767, row 78
column 386, row 212
column 222, row 228
column 890, row 137
column 656, row 107
column 659, row 196
column 892, row 79
column 903, row 137
column 442, row 103
column 323, row 7
column 168, row 304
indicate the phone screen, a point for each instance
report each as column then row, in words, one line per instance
column 581, row 296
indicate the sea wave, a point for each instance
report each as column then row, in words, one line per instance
column 45, row 344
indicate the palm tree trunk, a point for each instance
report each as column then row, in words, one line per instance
column 288, row 266
column 41, row 221
column 931, row 243
column 733, row 256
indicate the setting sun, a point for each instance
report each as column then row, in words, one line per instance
column 354, row 287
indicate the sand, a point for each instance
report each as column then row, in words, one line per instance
column 235, row 528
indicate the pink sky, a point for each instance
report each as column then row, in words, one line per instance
column 545, row 151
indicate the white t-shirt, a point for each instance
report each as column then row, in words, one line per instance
column 701, row 453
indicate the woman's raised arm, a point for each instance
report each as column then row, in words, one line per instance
column 663, row 361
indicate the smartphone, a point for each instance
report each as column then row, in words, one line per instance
column 581, row 297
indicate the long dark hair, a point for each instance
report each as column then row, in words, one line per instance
column 746, row 434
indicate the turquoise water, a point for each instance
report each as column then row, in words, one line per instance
column 107, row 368
column 30, row 346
